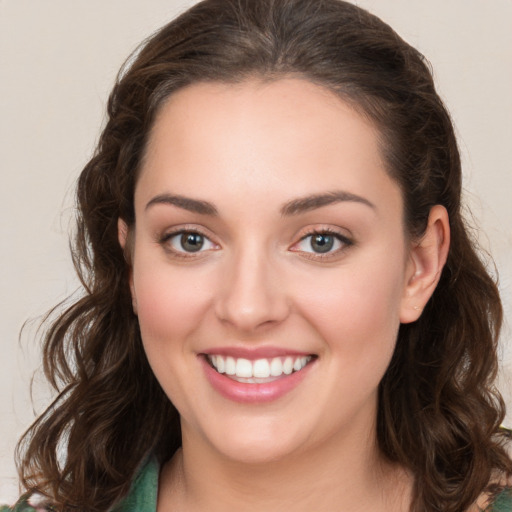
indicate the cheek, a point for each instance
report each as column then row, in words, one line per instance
column 170, row 301
column 171, row 305
column 356, row 311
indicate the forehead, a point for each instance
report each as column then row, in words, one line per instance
column 283, row 137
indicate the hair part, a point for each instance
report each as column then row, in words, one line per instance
column 439, row 413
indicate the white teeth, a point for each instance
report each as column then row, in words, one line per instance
column 243, row 368
column 260, row 368
column 276, row 367
column 288, row 366
column 220, row 364
column 230, row 365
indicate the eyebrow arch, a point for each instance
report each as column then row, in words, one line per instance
column 186, row 203
column 307, row 203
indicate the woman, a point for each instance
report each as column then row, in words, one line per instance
column 279, row 286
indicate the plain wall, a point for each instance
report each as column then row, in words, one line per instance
column 58, row 60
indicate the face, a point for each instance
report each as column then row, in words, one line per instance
column 270, row 266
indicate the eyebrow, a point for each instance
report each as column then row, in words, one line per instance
column 186, row 203
column 293, row 207
column 307, row 203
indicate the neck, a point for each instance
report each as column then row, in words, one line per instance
column 347, row 471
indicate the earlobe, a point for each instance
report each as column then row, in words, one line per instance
column 426, row 261
column 123, row 235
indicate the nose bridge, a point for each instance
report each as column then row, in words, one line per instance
column 251, row 294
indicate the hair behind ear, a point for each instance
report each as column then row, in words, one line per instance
column 439, row 391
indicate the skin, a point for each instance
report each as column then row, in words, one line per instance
column 248, row 150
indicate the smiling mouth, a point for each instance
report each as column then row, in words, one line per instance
column 259, row 371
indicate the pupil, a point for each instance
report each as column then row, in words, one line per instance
column 322, row 243
column 192, row 242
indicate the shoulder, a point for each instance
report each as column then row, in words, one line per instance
column 144, row 490
column 142, row 496
column 29, row 503
column 502, row 502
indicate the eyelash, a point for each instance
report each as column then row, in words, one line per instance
column 345, row 242
column 166, row 241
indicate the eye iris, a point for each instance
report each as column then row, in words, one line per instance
column 322, row 243
column 192, row 242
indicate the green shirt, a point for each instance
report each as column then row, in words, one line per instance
column 142, row 496
column 144, row 491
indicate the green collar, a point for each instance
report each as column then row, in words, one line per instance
column 503, row 502
column 144, row 491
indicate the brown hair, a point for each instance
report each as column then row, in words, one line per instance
column 439, row 412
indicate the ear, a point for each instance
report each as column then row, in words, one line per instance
column 426, row 261
column 122, row 233
column 125, row 241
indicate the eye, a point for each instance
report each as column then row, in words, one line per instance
column 322, row 243
column 188, row 242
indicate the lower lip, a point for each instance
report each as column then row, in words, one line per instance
column 253, row 393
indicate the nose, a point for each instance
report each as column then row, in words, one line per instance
column 251, row 294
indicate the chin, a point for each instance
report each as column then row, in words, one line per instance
column 259, row 443
column 256, row 453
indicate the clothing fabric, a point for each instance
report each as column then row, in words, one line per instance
column 144, row 492
column 503, row 502
column 142, row 496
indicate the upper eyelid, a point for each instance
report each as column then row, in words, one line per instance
column 170, row 232
column 325, row 232
column 319, row 230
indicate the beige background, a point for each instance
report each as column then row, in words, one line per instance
column 58, row 59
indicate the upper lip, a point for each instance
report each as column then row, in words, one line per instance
column 253, row 353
